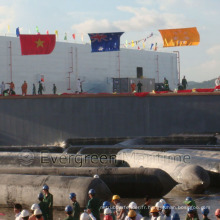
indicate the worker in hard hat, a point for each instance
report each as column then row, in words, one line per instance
column 205, row 212
column 76, row 206
column 155, row 213
column 38, row 214
column 107, row 214
column 33, row 207
column 94, row 204
column 25, row 214
column 175, row 216
column 48, row 198
column 132, row 215
column 43, row 206
column 120, row 211
column 69, row 212
column 133, row 206
column 191, row 213
column 17, row 211
column 86, row 216
column 145, row 208
column 106, row 204
column 217, row 214
column 159, row 206
column 190, row 202
column 167, row 211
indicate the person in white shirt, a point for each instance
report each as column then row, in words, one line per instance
column 17, row 211
column 217, row 81
column 2, row 87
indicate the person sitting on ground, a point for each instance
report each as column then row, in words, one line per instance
column 33, row 207
column 94, row 204
column 133, row 206
column 145, row 208
column 120, row 211
column 76, row 206
column 180, row 87
column 25, row 214
column 205, row 212
column 69, row 211
column 107, row 214
column 38, row 214
column 217, row 214
column 17, row 211
column 191, row 213
column 43, row 206
column 155, row 213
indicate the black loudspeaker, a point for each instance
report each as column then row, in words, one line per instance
column 139, row 72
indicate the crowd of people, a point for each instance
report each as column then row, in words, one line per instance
column 107, row 210
column 41, row 88
column 11, row 90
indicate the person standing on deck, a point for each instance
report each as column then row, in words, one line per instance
column 40, row 88
column 217, row 83
column 184, row 83
column 2, row 87
column 54, row 89
column 48, row 198
column 34, row 90
column 139, row 85
column 24, row 88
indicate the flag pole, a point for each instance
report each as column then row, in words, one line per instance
column 178, row 63
column 10, row 64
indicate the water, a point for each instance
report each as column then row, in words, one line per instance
column 210, row 198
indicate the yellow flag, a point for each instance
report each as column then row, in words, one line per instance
column 143, row 45
column 8, row 28
column 180, row 37
column 132, row 43
column 56, row 32
column 82, row 37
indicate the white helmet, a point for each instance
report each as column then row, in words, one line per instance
column 132, row 205
column 84, row 216
column 24, row 213
column 35, row 206
column 96, row 176
column 37, row 212
column 107, row 211
column 159, row 205
column 162, row 201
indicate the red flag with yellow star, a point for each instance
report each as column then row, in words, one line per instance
column 37, row 44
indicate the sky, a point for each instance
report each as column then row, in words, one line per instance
column 136, row 18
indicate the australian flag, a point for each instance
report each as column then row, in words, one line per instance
column 102, row 42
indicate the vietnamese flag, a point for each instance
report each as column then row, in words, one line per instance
column 37, row 44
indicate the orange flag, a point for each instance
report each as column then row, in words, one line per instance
column 180, row 37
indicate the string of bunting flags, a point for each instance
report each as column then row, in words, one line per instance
column 103, row 42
